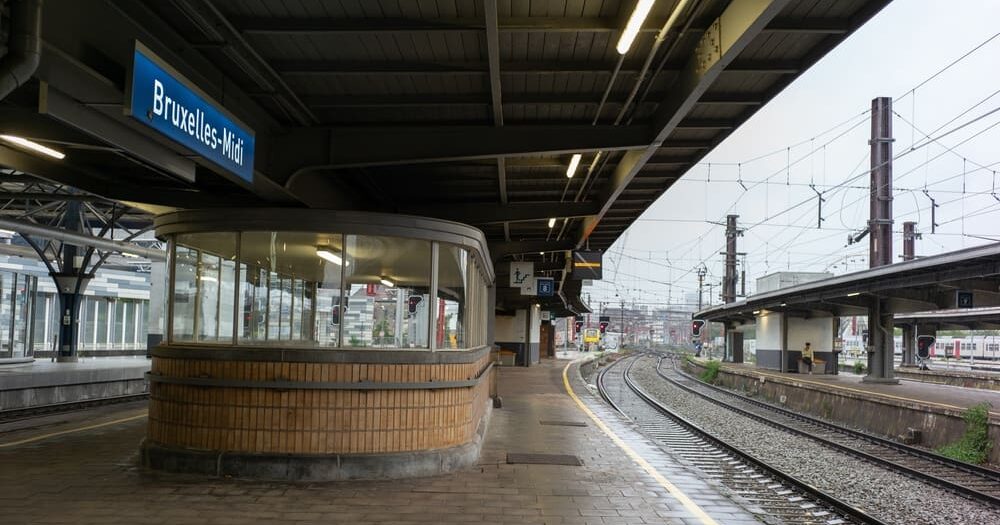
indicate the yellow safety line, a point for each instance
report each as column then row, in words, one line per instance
column 71, row 431
column 868, row 392
column 671, row 488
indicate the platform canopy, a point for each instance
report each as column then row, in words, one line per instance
column 469, row 110
column 964, row 282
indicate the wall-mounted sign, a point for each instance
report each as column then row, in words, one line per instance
column 963, row 299
column 545, row 286
column 164, row 100
column 586, row 264
column 522, row 274
column 546, row 315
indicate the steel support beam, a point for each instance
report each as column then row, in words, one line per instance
column 726, row 37
column 501, row 213
column 479, row 67
column 309, row 149
column 535, row 24
column 80, row 239
column 500, row 250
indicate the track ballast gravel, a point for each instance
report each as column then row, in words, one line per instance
column 890, row 496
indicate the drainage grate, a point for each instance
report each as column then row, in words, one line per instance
column 543, row 459
column 563, row 423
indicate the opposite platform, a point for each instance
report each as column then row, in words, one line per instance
column 93, row 477
column 43, row 382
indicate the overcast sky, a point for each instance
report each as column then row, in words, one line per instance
column 816, row 132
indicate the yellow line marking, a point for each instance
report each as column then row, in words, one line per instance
column 671, row 488
column 71, row 431
column 866, row 392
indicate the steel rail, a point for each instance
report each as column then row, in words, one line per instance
column 834, row 503
column 920, row 475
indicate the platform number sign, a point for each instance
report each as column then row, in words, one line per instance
column 924, row 345
column 545, row 286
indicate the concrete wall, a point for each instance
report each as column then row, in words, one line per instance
column 512, row 334
column 816, row 330
column 534, row 333
column 511, row 328
column 769, row 340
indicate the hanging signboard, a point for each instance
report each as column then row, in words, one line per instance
column 545, row 286
column 587, row 264
column 528, row 288
column 522, row 274
column 161, row 98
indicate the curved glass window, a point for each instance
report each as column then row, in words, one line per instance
column 325, row 290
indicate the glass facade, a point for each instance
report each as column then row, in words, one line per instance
column 17, row 293
column 329, row 290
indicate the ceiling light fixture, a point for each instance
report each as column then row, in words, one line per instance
column 329, row 256
column 634, row 24
column 755, row 312
column 552, row 223
column 574, row 162
column 854, row 294
column 33, row 146
column 386, row 282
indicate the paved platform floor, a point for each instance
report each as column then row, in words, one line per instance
column 44, row 372
column 91, row 477
column 930, row 394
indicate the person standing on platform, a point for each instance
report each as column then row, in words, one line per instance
column 807, row 357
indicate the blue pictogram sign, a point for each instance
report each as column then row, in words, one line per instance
column 545, row 287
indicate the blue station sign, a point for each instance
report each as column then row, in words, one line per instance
column 164, row 100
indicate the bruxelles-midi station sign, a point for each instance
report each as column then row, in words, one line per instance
column 164, row 100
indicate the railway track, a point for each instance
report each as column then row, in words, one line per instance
column 964, row 479
column 19, row 414
column 779, row 495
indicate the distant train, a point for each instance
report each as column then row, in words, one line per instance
column 975, row 347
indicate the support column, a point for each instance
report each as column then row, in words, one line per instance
column 880, row 327
column 880, row 222
column 909, row 346
column 729, row 279
column 735, row 340
column 784, row 342
column 71, row 288
column 909, row 240
column 157, row 302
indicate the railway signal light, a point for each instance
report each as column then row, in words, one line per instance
column 924, row 345
column 696, row 328
column 579, row 325
column 604, row 326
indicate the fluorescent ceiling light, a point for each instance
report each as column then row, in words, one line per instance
column 329, row 256
column 634, row 24
column 209, row 278
column 7, row 232
column 34, row 146
column 854, row 294
column 387, row 282
column 552, row 223
column 755, row 312
column 132, row 255
column 573, row 164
